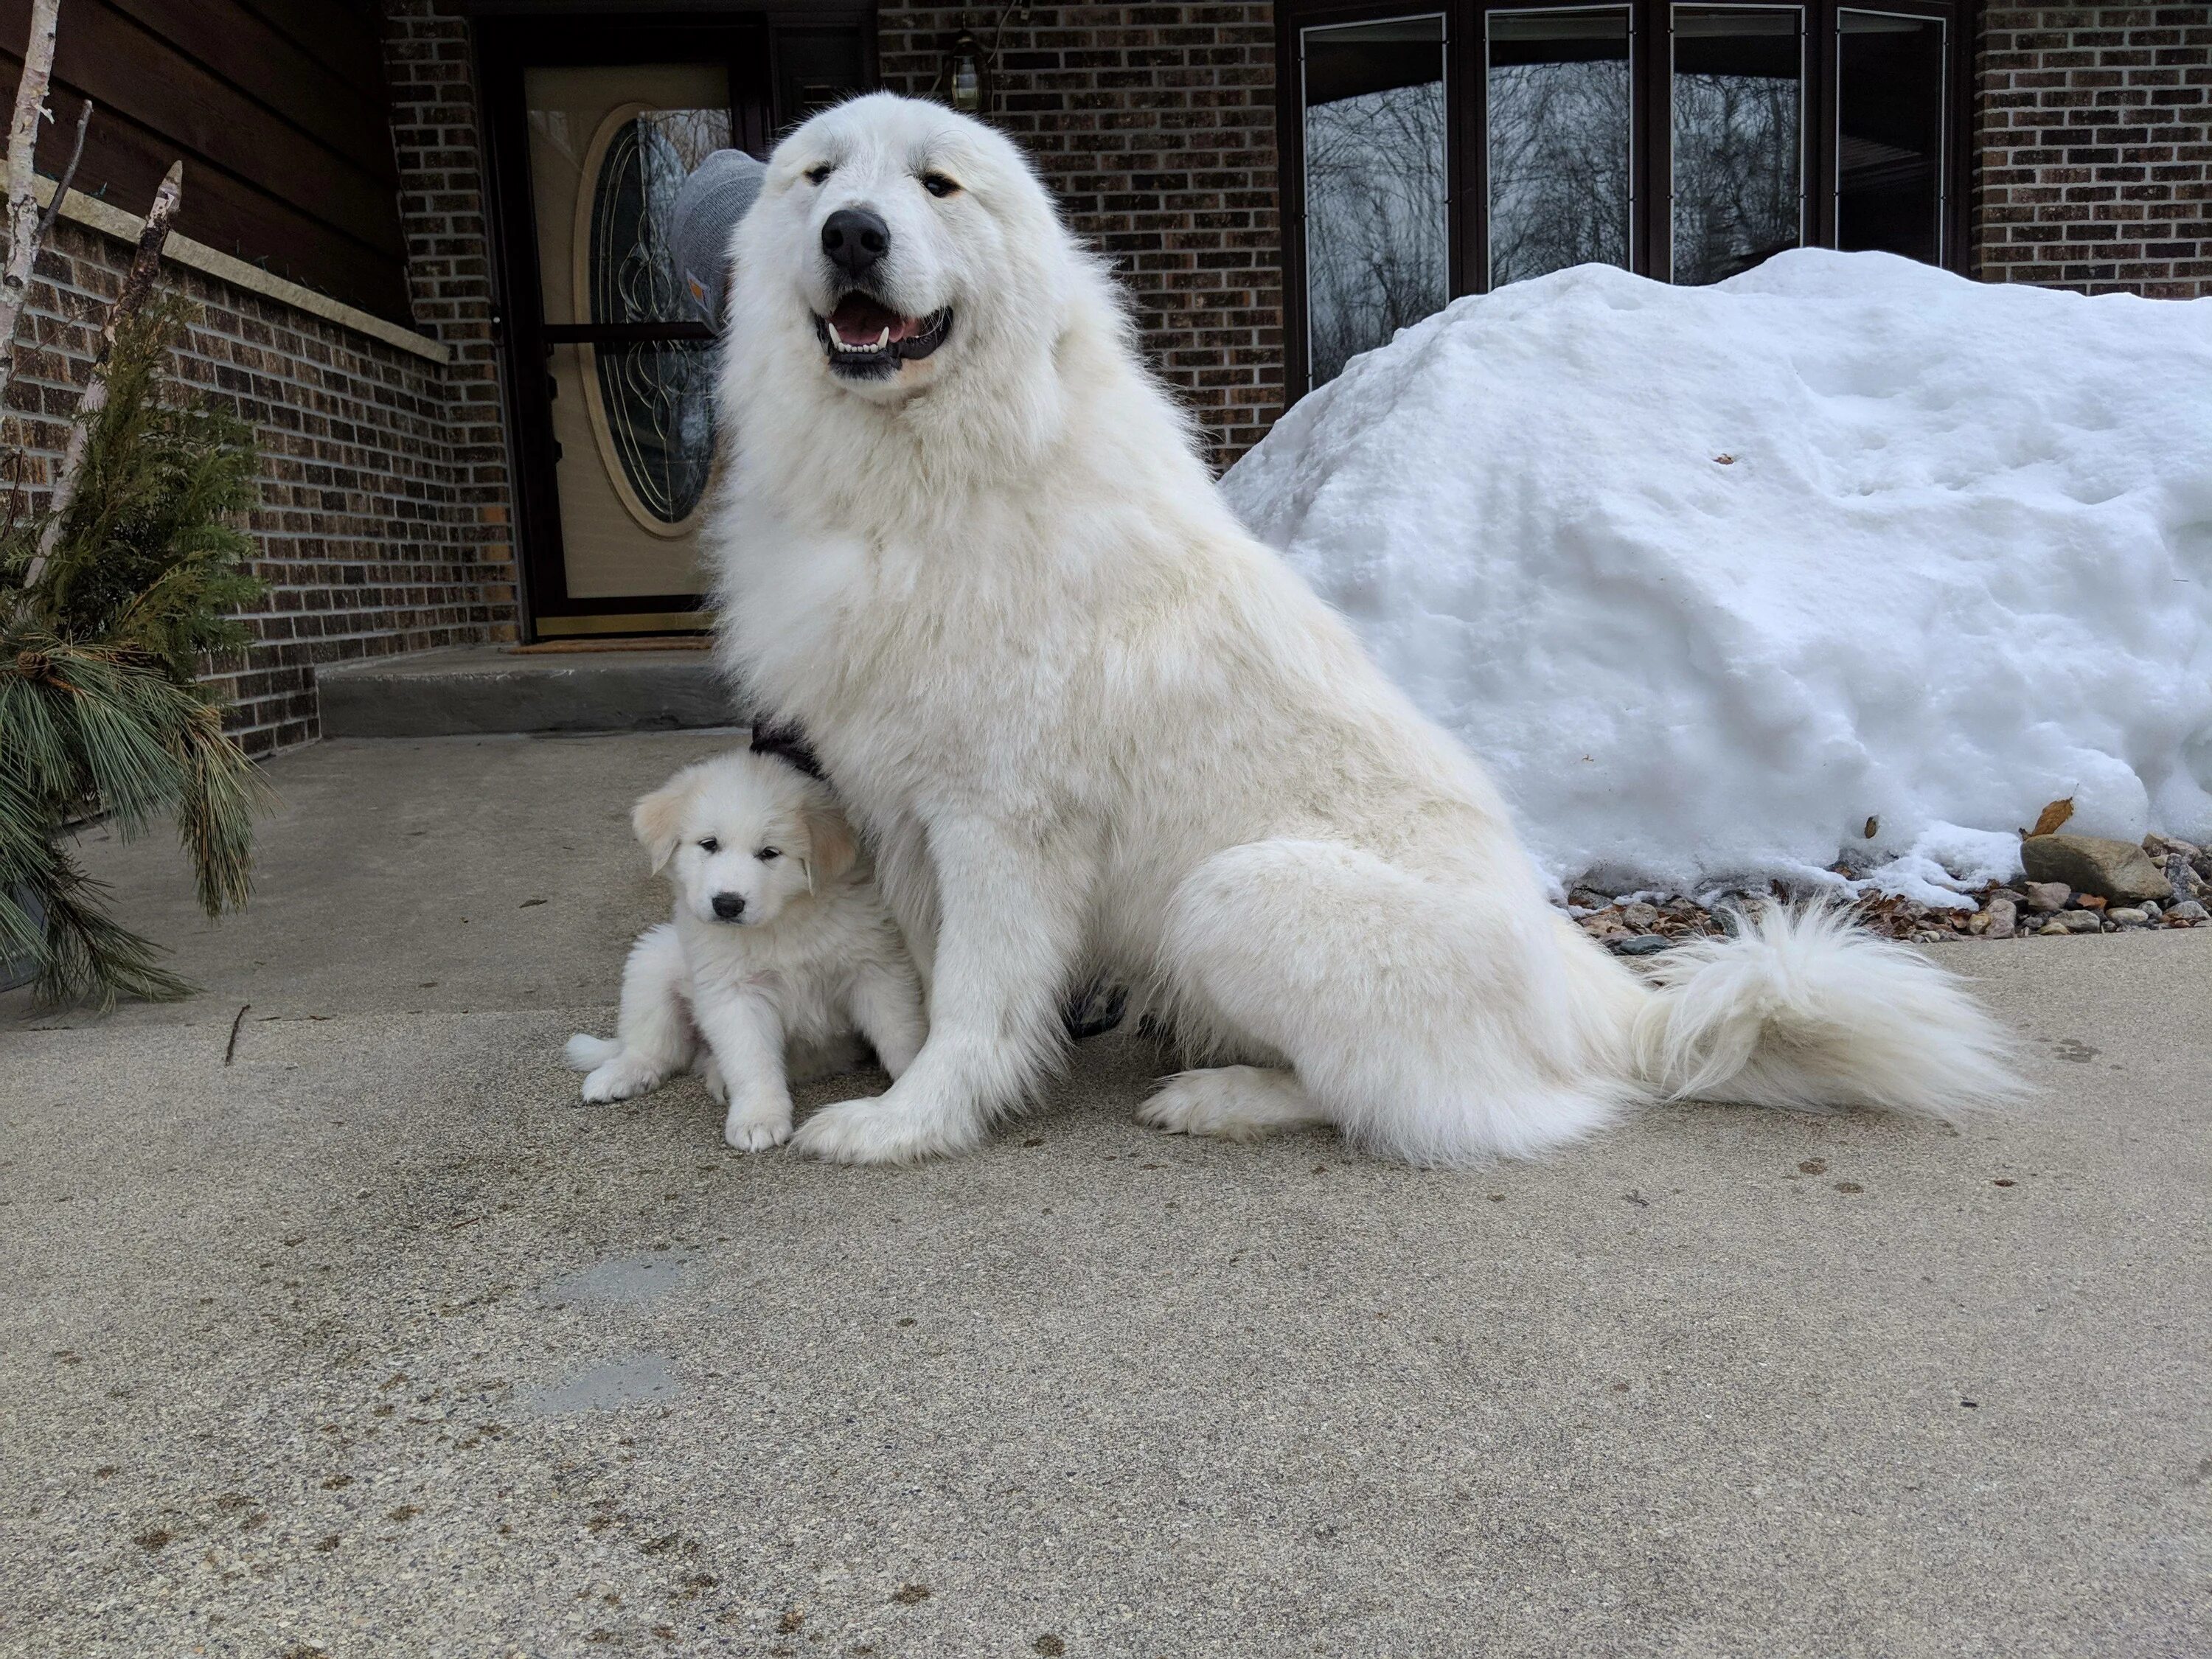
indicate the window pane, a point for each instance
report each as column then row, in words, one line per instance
column 1558, row 140
column 1376, row 226
column 1738, row 88
column 1889, row 121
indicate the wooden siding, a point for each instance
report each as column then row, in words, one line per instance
column 277, row 109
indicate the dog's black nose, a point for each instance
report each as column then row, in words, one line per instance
column 855, row 239
column 728, row 907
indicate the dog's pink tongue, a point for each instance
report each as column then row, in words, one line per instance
column 859, row 320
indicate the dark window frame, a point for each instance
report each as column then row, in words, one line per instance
column 509, row 40
column 1466, row 35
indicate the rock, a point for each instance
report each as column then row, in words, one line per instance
column 1644, row 944
column 2162, row 847
column 2003, row 919
column 2128, row 916
column 1588, row 898
column 2183, row 878
column 2191, row 913
column 2150, row 909
column 2048, row 894
column 1928, row 935
column 2116, row 870
column 1645, row 917
column 2055, row 926
column 2081, row 921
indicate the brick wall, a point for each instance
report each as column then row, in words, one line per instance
column 1155, row 124
column 362, row 541
column 2095, row 126
column 436, row 137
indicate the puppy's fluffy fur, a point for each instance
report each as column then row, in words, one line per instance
column 780, row 949
column 1091, row 725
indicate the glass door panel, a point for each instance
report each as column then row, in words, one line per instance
column 1738, row 85
column 1889, row 134
column 630, row 373
column 1560, row 140
column 1377, row 223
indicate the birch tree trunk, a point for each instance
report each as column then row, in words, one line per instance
column 23, row 226
column 145, row 265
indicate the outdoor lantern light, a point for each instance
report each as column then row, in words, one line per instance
column 963, row 69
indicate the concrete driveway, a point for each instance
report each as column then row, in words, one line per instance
column 371, row 1341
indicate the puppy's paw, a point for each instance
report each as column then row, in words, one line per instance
column 879, row 1131
column 757, row 1132
column 623, row 1076
column 717, row 1091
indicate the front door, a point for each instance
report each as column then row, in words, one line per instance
column 595, row 124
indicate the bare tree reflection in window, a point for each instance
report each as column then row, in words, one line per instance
column 1559, row 133
column 1376, row 251
column 1738, row 121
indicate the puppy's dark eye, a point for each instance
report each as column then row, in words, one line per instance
column 710, row 845
column 770, row 854
column 816, row 175
column 937, row 184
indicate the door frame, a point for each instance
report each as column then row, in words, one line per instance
column 506, row 43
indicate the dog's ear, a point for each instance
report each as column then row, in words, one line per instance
column 830, row 846
column 659, row 818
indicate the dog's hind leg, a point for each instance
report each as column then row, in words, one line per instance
column 1232, row 1102
column 1433, row 1021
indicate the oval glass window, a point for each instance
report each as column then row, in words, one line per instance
column 651, row 402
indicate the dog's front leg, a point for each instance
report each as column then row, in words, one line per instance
column 1009, row 922
column 746, row 1037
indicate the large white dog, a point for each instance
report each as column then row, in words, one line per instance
column 1088, row 723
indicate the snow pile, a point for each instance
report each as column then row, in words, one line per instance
column 1715, row 579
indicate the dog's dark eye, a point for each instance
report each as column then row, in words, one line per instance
column 816, row 175
column 710, row 845
column 770, row 854
column 937, row 184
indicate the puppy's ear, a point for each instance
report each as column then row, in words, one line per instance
column 659, row 818
column 830, row 846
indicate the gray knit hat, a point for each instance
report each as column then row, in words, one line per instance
column 707, row 208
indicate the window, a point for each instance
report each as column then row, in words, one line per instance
column 1736, row 98
column 1487, row 141
column 1561, row 140
column 1889, row 133
column 1378, row 225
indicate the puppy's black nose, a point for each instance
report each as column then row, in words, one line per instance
column 728, row 907
column 854, row 239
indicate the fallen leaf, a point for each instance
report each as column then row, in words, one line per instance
column 2048, row 820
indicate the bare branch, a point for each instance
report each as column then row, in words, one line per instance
column 145, row 265
column 67, row 177
column 23, row 178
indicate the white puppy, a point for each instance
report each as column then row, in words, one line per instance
column 1088, row 723
column 780, row 949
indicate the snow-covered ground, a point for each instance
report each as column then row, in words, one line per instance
column 1717, row 579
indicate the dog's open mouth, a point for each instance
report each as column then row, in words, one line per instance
column 865, row 338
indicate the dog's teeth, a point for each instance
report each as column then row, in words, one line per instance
column 883, row 338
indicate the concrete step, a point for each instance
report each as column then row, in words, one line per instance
column 476, row 689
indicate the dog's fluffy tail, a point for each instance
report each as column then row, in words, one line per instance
column 1798, row 1008
column 586, row 1053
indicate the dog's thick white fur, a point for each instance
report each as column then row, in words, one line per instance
column 1091, row 725
column 780, row 950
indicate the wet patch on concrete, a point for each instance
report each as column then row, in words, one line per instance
column 622, row 1281
column 637, row 1379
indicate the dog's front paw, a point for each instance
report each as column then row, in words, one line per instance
column 758, row 1131
column 623, row 1076
column 880, row 1131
